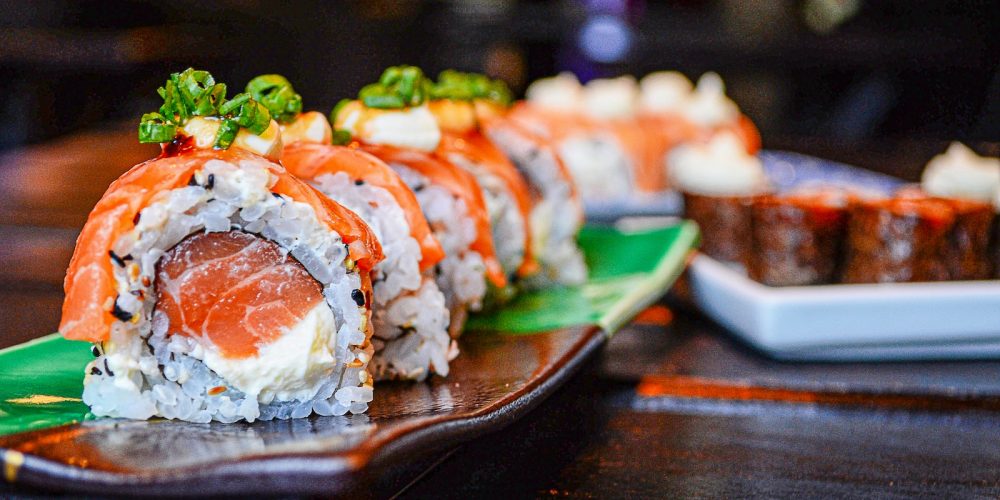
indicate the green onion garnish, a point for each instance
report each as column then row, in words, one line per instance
column 226, row 134
column 460, row 86
column 398, row 87
column 341, row 137
column 195, row 93
column 154, row 128
column 275, row 92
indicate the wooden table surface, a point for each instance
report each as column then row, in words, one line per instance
column 673, row 408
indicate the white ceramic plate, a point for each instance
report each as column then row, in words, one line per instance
column 891, row 321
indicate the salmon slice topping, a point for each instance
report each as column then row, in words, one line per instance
column 308, row 160
column 237, row 290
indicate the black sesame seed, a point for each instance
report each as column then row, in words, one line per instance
column 120, row 313
column 135, row 220
column 192, row 181
column 96, row 371
column 276, row 195
column 358, row 296
column 95, row 351
column 108, row 368
column 118, row 260
column 211, row 181
column 418, row 188
column 437, row 269
column 359, row 182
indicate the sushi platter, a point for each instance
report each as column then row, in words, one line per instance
column 875, row 322
column 955, row 319
column 47, row 436
column 287, row 302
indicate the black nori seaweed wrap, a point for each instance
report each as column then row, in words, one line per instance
column 725, row 223
column 798, row 237
column 897, row 240
column 969, row 256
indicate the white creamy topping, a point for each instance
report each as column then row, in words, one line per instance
column 309, row 127
column 204, row 130
column 413, row 128
column 722, row 168
column 959, row 172
column 708, row 105
column 561, row 92
column 664, row 92
column 611, row 98
column 291, row 367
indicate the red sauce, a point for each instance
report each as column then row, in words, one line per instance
column 180, row 144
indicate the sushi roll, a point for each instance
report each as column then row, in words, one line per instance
column 410, row 318
column 899, row 239
column 798, row 237
column 719, row 182
column 971, row 184
column 391, row 121
column 504, row 189
column 595, row 156
column 556, row 210
column 215, row 285
column 612, row 103
column 673, row 111
column 969, row 256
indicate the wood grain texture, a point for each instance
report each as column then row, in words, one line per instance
column 598, row 438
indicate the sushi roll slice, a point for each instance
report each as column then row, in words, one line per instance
column 214, row 284
column 971, row 184
column 391, row 121
column 900, row 239
column 556, row 210
column 504, row 189
column 719, row 182
column 673, row 112
column 969, row 256
column 798, row 237
column 595, row 156
column 410, row 316
column 612, row 103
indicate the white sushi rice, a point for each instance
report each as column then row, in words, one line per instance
column 506, row 220
column 143, row 371
column 461, row 274
column 555, row 216
column 599, row 166
column 410, row 317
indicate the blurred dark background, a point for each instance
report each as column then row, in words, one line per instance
column 833, row 73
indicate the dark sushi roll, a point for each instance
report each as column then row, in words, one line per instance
column 971, row 183
column 969, row 255
column 719, row 182
column 798, row 237
column 995, row 247
column 897, row 240
column 725, row 224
